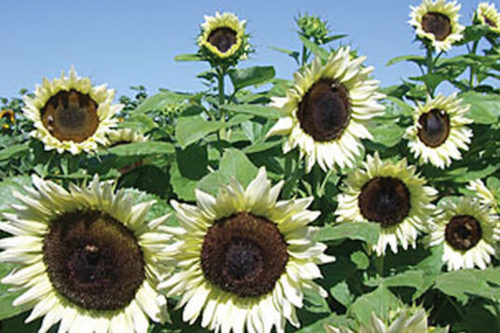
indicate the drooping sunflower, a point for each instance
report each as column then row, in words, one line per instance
column 391, row 194
column 9, row 117
column 405, row 321
column 88, row 259
column 439, row 130
column 244, row 258
column 223, row 37
column 487, row 14
column 70, row 114
column 326, row 113
column 437, row 22
column 468, row 232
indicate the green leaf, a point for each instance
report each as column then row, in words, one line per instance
column 7, row 310
column 360, row 259
column 342, row 294
column 188, row 57
column 161, row 100
column 12, row 151
column 294, row 54
column 242, row 78
column 236, row 164
column 380, row 301
column 10, row 185
column 147, row 178
column 317, row 50
column 473, row 33
column 182, row 186
column 412, row 58
column 386, row 132
column 191, row 129
column 142, row 148
column 484, row 108
column 254, row 110
column 367, row 232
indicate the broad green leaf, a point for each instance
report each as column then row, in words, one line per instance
column 12, row 151
column 261, row 146
column 160, row 100
column 188, row 57
column 380, row 301
column 387, row 133
column 412, row 58
column 367, row 232
column 360, row 259
column 254, row 110
column 463, row 283
column 256, row 75
column 342, row 294
column 10, row 185
column 142, row 148
column 484, row 108
column 192, row 129
column 140, row 122
column 236, row 164
column 212, row 182
column 147, row 178
column 7, row 310
column 182, row 186
column 473, row 33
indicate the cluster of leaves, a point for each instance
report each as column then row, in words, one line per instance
column 201, row 140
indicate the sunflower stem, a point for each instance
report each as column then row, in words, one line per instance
column 221, row 73
column 472, row 70
column 379, row 265
column 429, row 61
column 304, row 56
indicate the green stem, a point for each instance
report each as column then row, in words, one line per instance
column 221, row 73
column 429, row 61
column 379, row 265
column 304, row 56
column 472, row 70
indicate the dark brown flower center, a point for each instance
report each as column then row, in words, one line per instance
column 324, row 112
column 385, row 200
column 463, row 232
column 70, row 116
column 434, row 127
column 93, row 260
column 437, row 24
column 244, row 254
column 222, row 39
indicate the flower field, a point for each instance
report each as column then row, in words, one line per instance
column 326, row 203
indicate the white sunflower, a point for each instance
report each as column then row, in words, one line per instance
column 480, row 190
column 244, row 258
column 125, row 135
column 437, row 22
column 69, row 114
column 391, row 194
column 327, row 111
column 223, row 37
column 468, row 232
column 88, row 259
column 439, row 130
column 407, row 321
column 487, row 14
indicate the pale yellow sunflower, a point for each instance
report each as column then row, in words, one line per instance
column 327, row 112
column 390, row 194
column 223, row 36
column 125, row 135
column 87, row 258
column 243, row 258
column 70, row 114
column 468, row 232
column 487, row 14
column 10, row 118
column 437, row 22
column 439, row 130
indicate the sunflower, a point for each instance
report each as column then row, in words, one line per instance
column 392, row 195
column 125, row 135
column 437, row 22
column 406, row 321
column 223, row 37
column 10, row 118
column 487, row 14
column 468, row 233
column 244, row 258
column 87, row 258
column 325, row 114
column 439, row 130
column 70, row 114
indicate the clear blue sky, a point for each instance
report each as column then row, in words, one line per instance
column 125, row 42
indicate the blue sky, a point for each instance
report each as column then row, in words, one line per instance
column 125, row 42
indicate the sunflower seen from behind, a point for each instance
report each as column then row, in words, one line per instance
column 88, row 258
column 439, row 130
column 436, row 22
column 70, row 114
column 327, row 112
column 390, row 194
column 468, row 232
column 223, row 39
column 243, row 258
